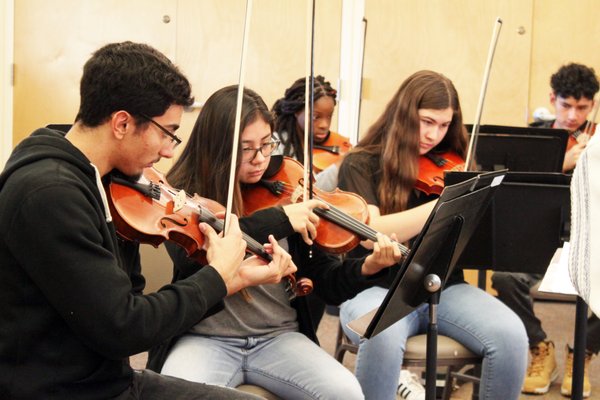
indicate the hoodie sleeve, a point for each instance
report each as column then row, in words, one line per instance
column 59, row 236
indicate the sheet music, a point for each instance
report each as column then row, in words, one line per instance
column 557, row 279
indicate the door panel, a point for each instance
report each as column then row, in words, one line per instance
column 451, row 38
column 54, row 39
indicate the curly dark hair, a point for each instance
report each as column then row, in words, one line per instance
column 285, row 110
column 575, row 80
column 133, row 77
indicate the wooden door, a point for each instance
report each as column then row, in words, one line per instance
column 450, row 37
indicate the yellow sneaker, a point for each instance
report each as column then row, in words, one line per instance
column 567, row 382
column 542, row 371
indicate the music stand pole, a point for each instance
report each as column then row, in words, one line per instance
column 433, row 284
column 579, row 347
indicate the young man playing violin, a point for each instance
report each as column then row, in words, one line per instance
column 72, row 308
column 573, row 89
column 267, row 340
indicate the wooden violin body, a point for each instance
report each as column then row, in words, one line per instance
column 329, row 151
column 430, row 179
column 331, row 237
column 151, row 211
column 342, row 226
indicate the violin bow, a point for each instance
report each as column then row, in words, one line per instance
column 238, row 117
column 309, row 100
column 236, row 131
column 486, row 78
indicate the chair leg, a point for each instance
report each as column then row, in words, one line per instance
column 339, row 349
column 477, row 370
column 448, row 386
column 339, row 355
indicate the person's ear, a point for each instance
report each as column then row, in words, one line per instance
column 552, row 98
column 121, row 122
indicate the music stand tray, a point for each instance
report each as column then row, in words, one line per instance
column 435, row 251
column 523, row 149
column 527, row 220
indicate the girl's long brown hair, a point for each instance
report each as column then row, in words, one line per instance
column 203, row 166
column 396, row 133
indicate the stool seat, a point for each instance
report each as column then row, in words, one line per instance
column 257, row 390
column 416, row 348
column 450, row 354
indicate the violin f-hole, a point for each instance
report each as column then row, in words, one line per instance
column 164, row 222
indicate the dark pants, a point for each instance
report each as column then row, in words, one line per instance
column 148, row 385
column 513, row 290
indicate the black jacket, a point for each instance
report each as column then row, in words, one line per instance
column 71, row 314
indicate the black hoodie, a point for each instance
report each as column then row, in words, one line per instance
column 69, row 317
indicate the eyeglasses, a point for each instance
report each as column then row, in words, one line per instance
column 250, row 153
column 175, row 140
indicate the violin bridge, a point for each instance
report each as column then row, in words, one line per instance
column 179, row 200
column 297, row 195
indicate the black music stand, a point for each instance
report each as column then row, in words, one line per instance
column 520, row 149
column 431, row 260
column 528, row 219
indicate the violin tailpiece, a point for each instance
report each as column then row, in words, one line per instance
column 275, row 187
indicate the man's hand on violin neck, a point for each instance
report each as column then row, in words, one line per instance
column 225, row 253
column 256, row 271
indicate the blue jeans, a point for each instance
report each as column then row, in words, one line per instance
column 467, row 314
column 289, row 365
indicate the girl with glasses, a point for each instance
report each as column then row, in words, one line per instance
column 268, row 340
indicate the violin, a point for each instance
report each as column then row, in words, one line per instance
column 342, row 226
column 432, row 166
column 151, row 211
column 329, row 151
column 581, row 136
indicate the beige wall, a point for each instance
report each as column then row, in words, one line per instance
column 564, row 31
column 451, row 37
column 54, row 39
column 204, row 38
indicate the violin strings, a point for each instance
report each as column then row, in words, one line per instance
column 360, row 228
column 206, row 215
column 345, row 220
